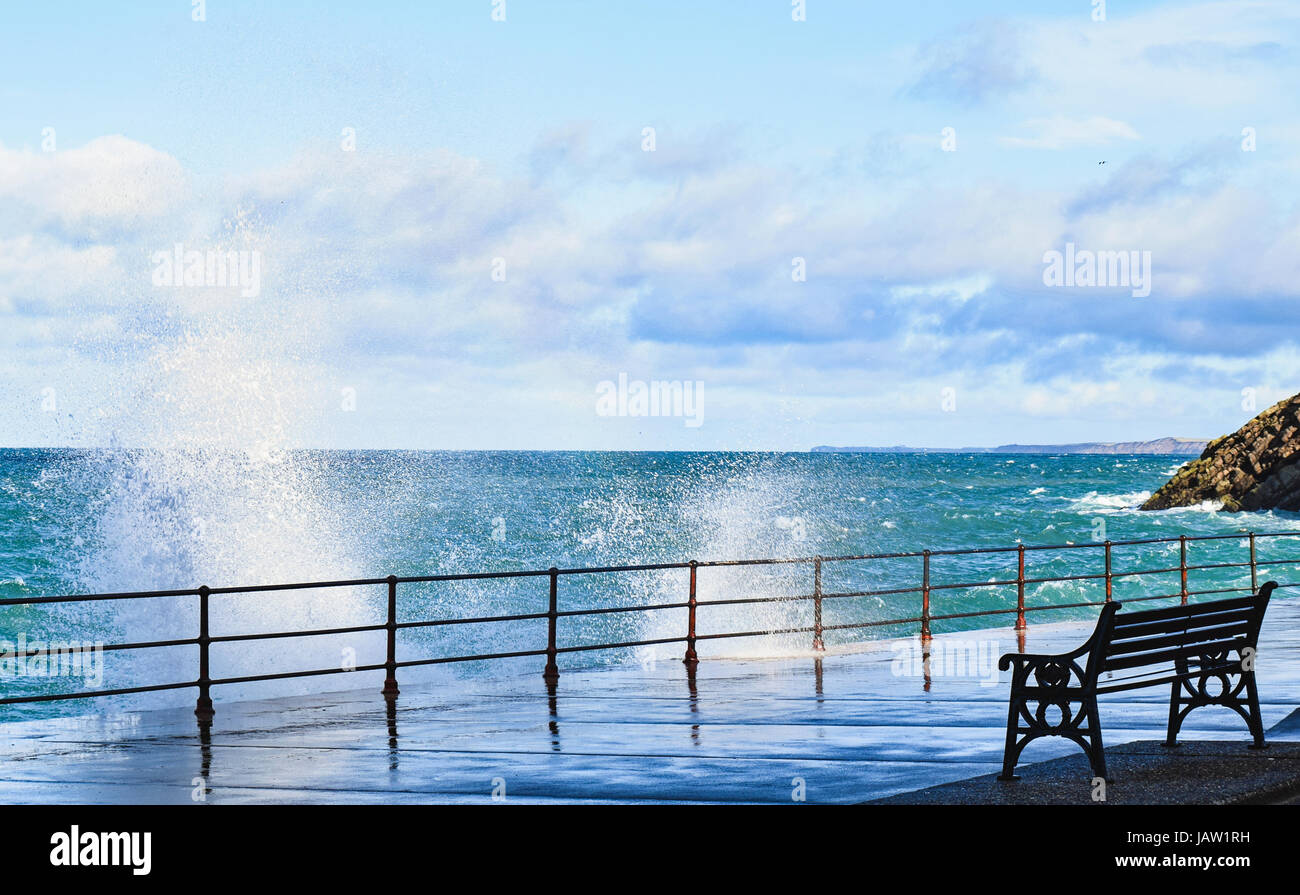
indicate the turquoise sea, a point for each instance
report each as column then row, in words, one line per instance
column 111, row 521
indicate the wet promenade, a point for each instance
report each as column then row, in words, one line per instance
column 851, row 727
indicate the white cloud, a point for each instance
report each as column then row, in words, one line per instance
column 111, row 181
column 377, row 273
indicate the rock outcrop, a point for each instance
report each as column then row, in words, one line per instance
column 1255, row 468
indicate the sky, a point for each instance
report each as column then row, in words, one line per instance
column 469, row 220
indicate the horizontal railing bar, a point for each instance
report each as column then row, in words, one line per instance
column 92, row 694
column 652, row 607
column 804, row 630
column 277, row 635
column 745, row 601
column 443, row 622
column 626, row 643
column 300, row 585
column 1222, row 590
column 284, row 675
column 105, row 648
column 881, row 623
column 1062, row 606
column 893, row 591
column 93, row 598
column 411, row 663
column 640, row 567
column 799, row 597
column 975, row 614
column 1134, row 573
column 469, row 576
column 1221, row 565
column 972, row 584
column 785, row 561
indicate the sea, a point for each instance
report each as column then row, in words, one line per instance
column 113, row 521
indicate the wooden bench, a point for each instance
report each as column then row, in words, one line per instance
column 1188, row 647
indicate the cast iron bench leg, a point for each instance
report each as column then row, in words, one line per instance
column 1097, row 755
column 1256, row 720
column 1175, row 705
column 1010, row 753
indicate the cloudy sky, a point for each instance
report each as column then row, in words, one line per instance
column 464, row 225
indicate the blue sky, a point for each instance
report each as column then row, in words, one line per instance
column 923, row 319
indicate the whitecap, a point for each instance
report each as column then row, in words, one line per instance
column 1094, row 502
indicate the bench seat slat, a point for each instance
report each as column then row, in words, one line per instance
column 1181, row 638
column 1128, row 619
column 1153, row 682
column 1188, row 651
column 1164, row 674
column 1137, row 685
column 1182, row 652
column 1182, row 624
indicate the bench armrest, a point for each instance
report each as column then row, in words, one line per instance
column 1031, row 659
column 1052, row 672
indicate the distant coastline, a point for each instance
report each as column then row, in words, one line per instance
column 1182, row 447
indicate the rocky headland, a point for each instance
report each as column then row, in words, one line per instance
column 1255, row 468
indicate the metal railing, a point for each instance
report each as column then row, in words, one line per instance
column 690, row 637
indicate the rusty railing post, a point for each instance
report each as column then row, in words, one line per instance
column 1254, row 567
column 203, row 707
column 1182, row 566
column 1108, row 574
column 818, row 645
column 925, row 596
column 390, row 690
column 552, row 672
column 1020, row 588
column 691, row 659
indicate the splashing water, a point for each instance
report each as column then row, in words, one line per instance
column 199, row 486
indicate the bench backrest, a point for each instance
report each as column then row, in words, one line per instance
column 1180, row 633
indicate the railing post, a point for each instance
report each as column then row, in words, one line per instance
column 1182, row 566
column 390, row 690
column 925, row 596
column 691, row 658
column 1108, row 575
column 1254, row 567
column 552, row 672
column 203, row 707
column 818, row 645
column 1020, row 588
